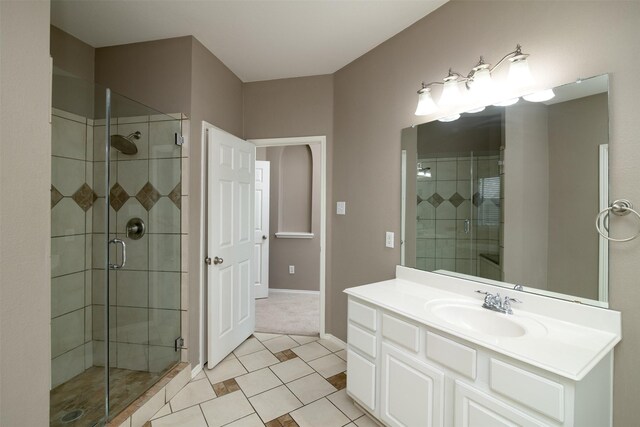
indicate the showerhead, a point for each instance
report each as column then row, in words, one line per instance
column 124, row 144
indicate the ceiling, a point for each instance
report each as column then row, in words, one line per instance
column 257, row 40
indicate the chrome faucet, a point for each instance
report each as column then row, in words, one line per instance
column 496, row 303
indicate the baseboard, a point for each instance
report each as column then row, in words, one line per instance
column 293, row 291
column 196, row 370
column 335, row 340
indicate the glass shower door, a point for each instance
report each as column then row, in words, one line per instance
column 115, row 188
column 144, row 196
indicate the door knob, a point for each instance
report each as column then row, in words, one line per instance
column 217, row 260
column 264, row 237
column 207, row 261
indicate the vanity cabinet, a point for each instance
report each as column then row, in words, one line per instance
column 408, row 374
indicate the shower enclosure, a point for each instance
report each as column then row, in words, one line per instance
column 115, row 250
column 458, row 223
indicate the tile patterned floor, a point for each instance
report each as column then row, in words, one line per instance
column 269, row 380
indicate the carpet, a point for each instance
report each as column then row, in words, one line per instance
column 288, row 313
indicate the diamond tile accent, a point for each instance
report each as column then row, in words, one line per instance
column 175, row 195
column 226, row 387
column 456, row 200
column 56, row 196
column 285, row 355
column 84, row 197
column 477, row 199
column 118, row 196
column 148, row 196
column 435, row 199
column 496, row 202
column 339, row 381
column 419, row 199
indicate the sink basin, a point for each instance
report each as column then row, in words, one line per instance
column 478, row 319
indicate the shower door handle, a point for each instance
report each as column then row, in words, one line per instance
column 124, row 254
column 467, row 226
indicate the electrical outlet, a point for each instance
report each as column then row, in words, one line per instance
column 292, row 269
column 389, row 239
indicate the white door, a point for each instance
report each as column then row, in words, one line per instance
column 230, row 198
column 261, row 231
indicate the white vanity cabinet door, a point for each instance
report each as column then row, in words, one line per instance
column 361, row 380
column 474, row 408
column 411, row 392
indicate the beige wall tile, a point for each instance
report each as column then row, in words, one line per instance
column 67, row 332
column 67, row 293
column 164, row 326
column 67, row 365
column 164, row 290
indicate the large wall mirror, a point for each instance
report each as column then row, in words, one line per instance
column 509, row 195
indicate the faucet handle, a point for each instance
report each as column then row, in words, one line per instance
column 482, row 292
column 508, row 299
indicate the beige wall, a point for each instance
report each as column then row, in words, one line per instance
column 302, row 253
column 526, row 196
column 576, row 130
column 375, row 98
column 156, row 73
column 25, row 213
column 72, row 54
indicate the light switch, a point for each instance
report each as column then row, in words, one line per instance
column 389, row 238
column 292, row 269
column 341, row 208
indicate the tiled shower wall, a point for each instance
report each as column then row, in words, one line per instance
column 448, row 198
column 148, row 298
column 71, row 217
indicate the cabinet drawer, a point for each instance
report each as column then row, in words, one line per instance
column 449, row 353
column 401, row 332
column 529, row 389
column 361, row 380
column 362, row 315
column 362, row 340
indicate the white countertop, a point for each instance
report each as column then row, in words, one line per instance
column 570, row 348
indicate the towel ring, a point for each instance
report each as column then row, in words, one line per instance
column 619, row 207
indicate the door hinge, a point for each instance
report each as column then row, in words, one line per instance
column 179, row 343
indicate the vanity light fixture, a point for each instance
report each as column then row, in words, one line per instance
column 478, row 81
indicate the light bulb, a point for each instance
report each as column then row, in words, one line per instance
column 449, row 118
column 541, row 96
column 426, row 105
column 482, row 84
column 519, row 73
column 507, row 102
column 450, row 92
column 475, row 110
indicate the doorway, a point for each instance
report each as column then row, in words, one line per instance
column 295, row 295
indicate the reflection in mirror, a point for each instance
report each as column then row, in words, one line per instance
column 510, row 194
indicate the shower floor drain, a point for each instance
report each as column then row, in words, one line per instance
column 72, row 416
